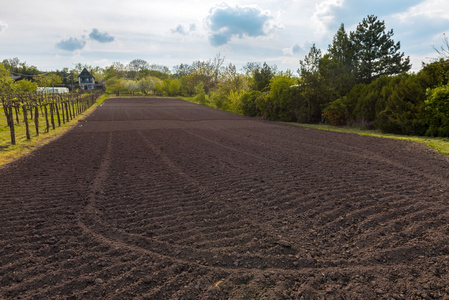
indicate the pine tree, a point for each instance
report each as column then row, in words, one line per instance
column 375, row 52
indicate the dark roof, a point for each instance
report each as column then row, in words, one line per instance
column 85, row 74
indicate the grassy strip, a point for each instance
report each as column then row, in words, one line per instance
column 441, row 145
column 9, row 153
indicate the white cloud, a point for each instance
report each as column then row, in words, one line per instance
column 293, row 50
column 435, row 9
column 325, row 12
column 182, row 30
column 102, row 37
column 3, row 26
column 71, row 44
column 225, row 22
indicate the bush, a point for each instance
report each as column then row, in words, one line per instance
column 249, row 103
column 436, row 112
column 200, row 93
column 336, row 113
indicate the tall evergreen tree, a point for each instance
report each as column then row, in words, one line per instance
column 337, row 66
column 376, row 53
column 262, row 76
column 315, row 92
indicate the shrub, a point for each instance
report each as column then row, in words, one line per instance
column 336, row 113
column 436, row 112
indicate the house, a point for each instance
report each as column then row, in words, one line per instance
column 86, row 80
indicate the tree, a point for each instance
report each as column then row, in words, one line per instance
column 436, row 112
column 138, row 68
column 313, row 89
column 200, row 93
column 403, row 107
column 25, row 85
column 280, row 101
column 131, row 86
column 262, row 76
column 48, row 80
column 6, row 82
column 337, row 66
column 115, row 85
column 375, row 52
column 443, row 51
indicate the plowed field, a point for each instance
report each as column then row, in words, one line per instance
column 164, row 199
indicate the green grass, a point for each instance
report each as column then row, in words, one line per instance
column 441, row 145
column 9, row 153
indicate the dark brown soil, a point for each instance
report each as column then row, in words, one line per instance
column 163, row 199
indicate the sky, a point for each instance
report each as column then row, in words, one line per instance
column 57, row 34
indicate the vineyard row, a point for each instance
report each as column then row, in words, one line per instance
column 53, row 109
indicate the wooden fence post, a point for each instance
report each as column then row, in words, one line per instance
column 36, row 118
column 25, row 120
column 11, row 120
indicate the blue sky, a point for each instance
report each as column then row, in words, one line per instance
column 53, row 34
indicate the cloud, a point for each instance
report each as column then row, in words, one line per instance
column 102, row 37
column 3, row 26
column 293, row 50
column 71, row 44
column 329, row 14
column 181, row 30
column 225, row 22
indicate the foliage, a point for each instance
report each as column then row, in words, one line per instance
column 115, row 85
column 249, row 101
column 279, row 102
column 337, row 66
column 403, row 106
column 48, row 80
column 375, row 52
column 6, row 83
column 262, row 76
column 336, row 112
column 131, row 86
column 314, row 92
column 200, row 94
column 235, row 102
column 434, row 74
column 25, row 85
column 436, row 112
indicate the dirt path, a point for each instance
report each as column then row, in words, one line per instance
column 163, row 199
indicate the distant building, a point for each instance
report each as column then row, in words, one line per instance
column 52, row 90
column 86, row 80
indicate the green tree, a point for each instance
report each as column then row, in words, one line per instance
column 436, row 112
column 200, row 94
column 434, row 74
column 6, row 82
column 336, row 112
column 48, row 80
column 280, row 101
column 337, row 66
column 315, row 94
column 249, row 102
column 404, row 101
column 25, row 85
column 115, row 85
column 375, row 52
column 261, row 76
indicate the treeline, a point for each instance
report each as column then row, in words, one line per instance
column 361, row 80
column 18, row 77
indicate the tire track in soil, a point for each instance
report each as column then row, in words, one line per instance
column 203, row 208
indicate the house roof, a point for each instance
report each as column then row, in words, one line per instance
column 85, row 74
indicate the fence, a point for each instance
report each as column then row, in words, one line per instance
column 53, row 109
